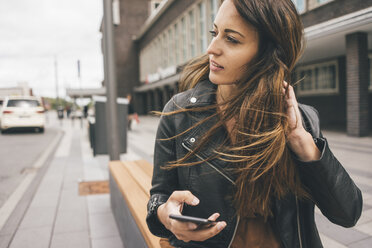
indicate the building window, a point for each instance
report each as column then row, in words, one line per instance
column 312, row 4
column 318, row 79
column 176, row 44
column 300, row 4
column 154, row 4
column 213, row 7
column 202, row 28
column 165, row 51
column 192, row 34
column 159, row 50
column 184, row 40
column 170, row 48
column 322, row 1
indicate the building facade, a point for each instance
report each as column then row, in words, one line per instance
column 22, row 89
column 128, row 17
column 333, row 74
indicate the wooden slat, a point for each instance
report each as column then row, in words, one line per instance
column 142, row 178
column 145, row 166
column 135, row 198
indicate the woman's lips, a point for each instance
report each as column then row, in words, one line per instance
column 214, row 66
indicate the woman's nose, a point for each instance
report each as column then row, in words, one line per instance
column 214, row 48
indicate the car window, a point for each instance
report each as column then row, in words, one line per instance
column 23, row 103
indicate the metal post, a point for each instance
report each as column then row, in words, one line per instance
column 81, row 93
column 110, row 81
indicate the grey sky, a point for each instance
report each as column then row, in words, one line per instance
column 33, row 31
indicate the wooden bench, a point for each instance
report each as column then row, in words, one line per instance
column 130, row 182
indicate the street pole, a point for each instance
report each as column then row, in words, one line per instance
column 110, row 81
column 56, row 81
column 81, row 94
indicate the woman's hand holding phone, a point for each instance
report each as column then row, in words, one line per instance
column 186, row 231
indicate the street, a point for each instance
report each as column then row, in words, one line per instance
column 19, row 151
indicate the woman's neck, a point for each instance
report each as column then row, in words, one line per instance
column 224, row 92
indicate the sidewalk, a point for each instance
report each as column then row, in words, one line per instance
column 59, row 217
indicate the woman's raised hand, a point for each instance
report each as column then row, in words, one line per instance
column 299, row 140
column 186, row 231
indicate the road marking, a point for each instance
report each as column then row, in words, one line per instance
column 11, row 203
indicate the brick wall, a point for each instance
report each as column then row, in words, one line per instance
column 357, row 84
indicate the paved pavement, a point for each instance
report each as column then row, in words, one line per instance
column 58, row 217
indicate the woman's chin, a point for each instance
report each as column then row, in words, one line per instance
column 218, row 80
column 214, row 78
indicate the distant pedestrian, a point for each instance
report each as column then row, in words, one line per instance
column 132, row 115
column 237, row 148
column 68, row 110
column 86, row 107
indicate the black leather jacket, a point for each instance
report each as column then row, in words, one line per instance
column 330, row 186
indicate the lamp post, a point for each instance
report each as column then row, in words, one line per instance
column 110, row 81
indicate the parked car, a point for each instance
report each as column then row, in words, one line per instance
column 22, row 112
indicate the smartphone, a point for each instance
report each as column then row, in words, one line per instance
column 196, row 220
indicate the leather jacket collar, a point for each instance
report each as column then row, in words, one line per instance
column 203, row 94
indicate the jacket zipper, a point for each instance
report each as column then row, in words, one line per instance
column 225, row 176
column 298, row 222
column 235, row 229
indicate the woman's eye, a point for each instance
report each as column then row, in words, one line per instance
column 213, row 33
column 232, row 40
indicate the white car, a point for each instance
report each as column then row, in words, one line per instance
column 22, row 112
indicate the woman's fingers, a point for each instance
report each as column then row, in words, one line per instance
column 214, row 217
column 204, row 234
column 184, row 196
column 183, row 226
column 187, row 231
column 293, row 111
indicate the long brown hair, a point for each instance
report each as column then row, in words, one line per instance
column 259, row 157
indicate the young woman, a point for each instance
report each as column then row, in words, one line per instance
column 237, row 147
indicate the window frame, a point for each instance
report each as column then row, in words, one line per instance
column 202, row 27
column 191, row 14
column 313, row 91
column 166, row 49
column 176, row 33
column 170, row 46
column 305, row 6
column 315, row 4
column 184, row 38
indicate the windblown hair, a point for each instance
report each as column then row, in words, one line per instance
column 259, row 156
